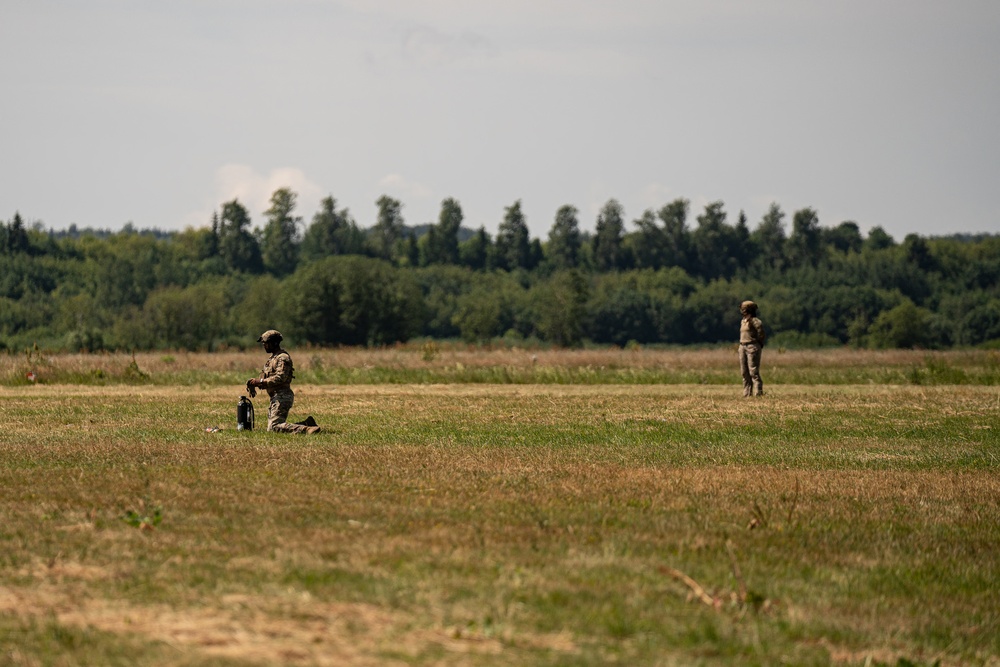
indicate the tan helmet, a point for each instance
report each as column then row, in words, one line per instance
column 270, row 335
column 748, row 307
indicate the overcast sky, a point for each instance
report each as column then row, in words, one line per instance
column 884, row 112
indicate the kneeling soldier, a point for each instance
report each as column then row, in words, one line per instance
column 276, row 380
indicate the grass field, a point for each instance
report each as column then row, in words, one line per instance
column 429, row 362
column 533, row 520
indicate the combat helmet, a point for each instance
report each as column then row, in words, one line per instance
column 269, row 335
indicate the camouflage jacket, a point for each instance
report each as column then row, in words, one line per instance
column 752, row 331
column 277, row 373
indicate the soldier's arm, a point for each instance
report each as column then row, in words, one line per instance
column 761, row 336
column 261, row 379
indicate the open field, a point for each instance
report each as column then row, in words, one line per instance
column 510, row 524
column 435, row 363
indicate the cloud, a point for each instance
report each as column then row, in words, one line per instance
column 254, row 190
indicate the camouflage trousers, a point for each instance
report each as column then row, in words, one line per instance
column 750, row 367
column 277, row 413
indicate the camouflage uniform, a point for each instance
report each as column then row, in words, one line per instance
column 276, row 379
column 752, row 338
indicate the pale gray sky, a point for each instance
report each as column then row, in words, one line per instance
column 879, row 111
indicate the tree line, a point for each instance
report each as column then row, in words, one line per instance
column 663, row 278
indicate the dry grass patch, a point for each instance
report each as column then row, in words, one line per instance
column 276, row 629
column 450, row 363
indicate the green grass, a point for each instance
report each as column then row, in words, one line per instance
column 502, row 524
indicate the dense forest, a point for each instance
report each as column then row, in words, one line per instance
column 659, row 279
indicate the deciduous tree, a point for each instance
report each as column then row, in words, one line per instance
column 845, row 237
column 610, row 230
column 768, row 239
column 513, row 245
column 279, row 244
column 442, row 246
column 560, row 306
column 477, row 252
column 332, row 232
column 564, row 239
column 716, row 246
column 804, row 246
column 677, row 238
column 647, row 245
column 237, row 245
column 388, row 229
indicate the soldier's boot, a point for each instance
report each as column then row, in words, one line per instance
column 312, row 429
column 308, row 421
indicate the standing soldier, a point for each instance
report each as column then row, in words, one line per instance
column 751, row 343
column 276, row 380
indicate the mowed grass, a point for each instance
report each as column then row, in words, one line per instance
column 511, row 524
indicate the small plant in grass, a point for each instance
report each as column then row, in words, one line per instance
column 145, row 519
